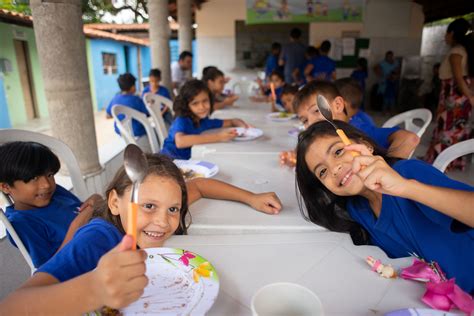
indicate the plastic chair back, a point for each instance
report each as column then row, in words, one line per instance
column 246, row 87
column 453, row 152
column 408, row 119
column 125, row 125
column 154, row 108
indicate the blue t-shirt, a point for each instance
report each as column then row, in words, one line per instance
column 360, row 76
column 42, row 230
column 361, row 118
column 271, row 65
column 278, row 92
column 134, row 102
column 293, row 55
column 379, row 134
column 82, row 253
column 405, row 226
column 161, row 91
column 186, row 126
column 323, row 67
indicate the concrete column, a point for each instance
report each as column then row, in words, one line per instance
column 62, row 55
column 185, row 31
column 160, row 39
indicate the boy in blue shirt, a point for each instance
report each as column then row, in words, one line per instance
column 42, row 213
column 322, row 67
column 128, row 98
column 272, row 61
column 154, row 87
column 398, row 142
column 352, row 94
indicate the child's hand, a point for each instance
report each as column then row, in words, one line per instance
column 376, row 174
column 119, row 278
column 288, row 158
column 268, row 202
column 227, row 134
column 240, row 123
column 94, row 199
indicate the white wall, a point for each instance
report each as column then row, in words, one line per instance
column 216, row 33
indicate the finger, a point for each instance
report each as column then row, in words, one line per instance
column 125, row 244
column 133, row 270
column 136, row 284
column 360, row 148
column 361, row 161
column 373, row 180
column 129, row 257
column 369, row 168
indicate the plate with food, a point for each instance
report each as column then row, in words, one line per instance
column 250, row 133
column 192, row 169
column 180, row 282
column 281, row 116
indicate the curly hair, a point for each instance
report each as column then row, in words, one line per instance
column 186, row 95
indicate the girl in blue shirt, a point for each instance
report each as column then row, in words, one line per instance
column 98, row 266
column 42, row 213
column 402, row 206
column 192, row 107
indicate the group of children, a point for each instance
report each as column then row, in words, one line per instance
column 377, row 196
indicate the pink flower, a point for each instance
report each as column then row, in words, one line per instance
column 185, row 257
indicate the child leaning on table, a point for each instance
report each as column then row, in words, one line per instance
column 98, row 266
column 192, row 107
column 42, row 212
column 215, row 81
column 401, row 206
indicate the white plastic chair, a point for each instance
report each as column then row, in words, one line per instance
column 246, row 87
column 408, row 119
column 154, row 107
column 125, row 125
column 68, row 159
column 453, row 152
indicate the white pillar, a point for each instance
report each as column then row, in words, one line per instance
column 62, row 55
column 185, row 31
column 159, row 39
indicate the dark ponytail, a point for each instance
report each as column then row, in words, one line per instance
column 462, row 35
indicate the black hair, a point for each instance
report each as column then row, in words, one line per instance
column 278, row 74
column 185, row 54
column 126, row 81
column 289, row 89
column 186, row 94
column 24, row 161
column 462, row 35
column 206, row 69
column 212, row 74
column 362, row 63
column 325, row 47
column 316, row 203
column 312, row 51
column 155, row 72
column 326, row 88
column 295, row 33
column 389, row 52
column 159, row 165
column 276, row 45
column 350, row 90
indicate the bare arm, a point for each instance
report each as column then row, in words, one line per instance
column 308, row 69
column 453, row 203
column 215, row 189
column 402, row 144
column 81, row 219
column 235, row 123
column 185, row 141
column 456, row 65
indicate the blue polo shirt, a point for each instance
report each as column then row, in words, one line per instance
column 161, row 91
column 405, row 226
column 186, row 126
column 134, row 102
column 379, row 134
column 42, row 230
column 271, row 65
column 323, row 67
column 278, row 92
column 361, row 118
column 82, row 253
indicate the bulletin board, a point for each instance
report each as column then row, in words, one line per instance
column 346, row 51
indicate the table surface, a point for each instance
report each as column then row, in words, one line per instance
column 326, row 263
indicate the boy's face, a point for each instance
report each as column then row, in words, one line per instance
column 277, row 82
column 32, row 194
column 159, row 205
column 154, row 82
column 308, row 111
column 287, row 101
column 217, row 85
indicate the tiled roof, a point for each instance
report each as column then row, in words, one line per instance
column 119, row 27
column 16, row 17
column 95, row 33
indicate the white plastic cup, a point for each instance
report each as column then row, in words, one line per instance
column 285, row 299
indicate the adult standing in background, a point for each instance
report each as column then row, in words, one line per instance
column 456, row 98
column 292, row 55
column 181, row 70
column 388, row 71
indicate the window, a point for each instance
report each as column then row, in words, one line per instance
column 109, row 63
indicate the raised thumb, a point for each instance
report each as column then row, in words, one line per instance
column 125, row 244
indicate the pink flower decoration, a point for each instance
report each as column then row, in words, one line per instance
column 185, row 257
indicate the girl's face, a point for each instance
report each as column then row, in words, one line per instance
column 217, row 85
column 332, row 165
column 276, row 80
column 159, row 201
column 200, row 105
column 287, row 100
column 448, row 38
column 32, row 194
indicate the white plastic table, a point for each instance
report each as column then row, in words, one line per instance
column 327, row 263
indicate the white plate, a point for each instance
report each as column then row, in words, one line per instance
column 196, row 168
column 179, row 283
column 280, row 116
column 248, row 133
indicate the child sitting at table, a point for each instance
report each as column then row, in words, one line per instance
column 402, row 206
column 352, row 94
column 287, row 96
column 98, row 265
column 154, row 87
column 214, row 78
column 128, row 98
column 42, row 211
column 277, row 79
column 193, row 106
